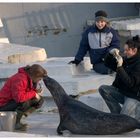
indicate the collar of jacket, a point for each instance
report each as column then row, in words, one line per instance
column 133, row 59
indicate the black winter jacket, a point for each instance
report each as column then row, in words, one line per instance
column 127, row 78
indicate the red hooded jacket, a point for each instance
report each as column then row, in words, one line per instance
column 18, row 87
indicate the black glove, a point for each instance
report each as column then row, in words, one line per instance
column 75, row 61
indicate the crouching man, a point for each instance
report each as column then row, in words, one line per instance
column 20, row 94
column 123, row 96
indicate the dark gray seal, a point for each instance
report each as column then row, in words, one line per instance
column 79, row 118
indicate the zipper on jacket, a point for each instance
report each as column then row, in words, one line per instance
column 100, row 39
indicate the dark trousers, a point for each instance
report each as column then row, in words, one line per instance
column 118, row 103
column 22, row 108
column 10, row 106
column 112, row 97
column 13, row 106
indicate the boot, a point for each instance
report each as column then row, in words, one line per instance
column 19, row 126
column 29, row 111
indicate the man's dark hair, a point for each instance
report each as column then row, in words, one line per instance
column 134, row 42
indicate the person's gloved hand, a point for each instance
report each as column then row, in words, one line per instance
column 75, row 61
column 119, row 61
column 114, row 52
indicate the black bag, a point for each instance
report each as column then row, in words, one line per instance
column 110, row 62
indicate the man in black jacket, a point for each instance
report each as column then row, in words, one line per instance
column 125, row 89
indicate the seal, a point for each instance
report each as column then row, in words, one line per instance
column 79, row 118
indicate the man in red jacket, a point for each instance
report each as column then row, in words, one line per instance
column 20, row 94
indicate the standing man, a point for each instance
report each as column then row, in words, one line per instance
column 97, row 40
column 125, row 89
